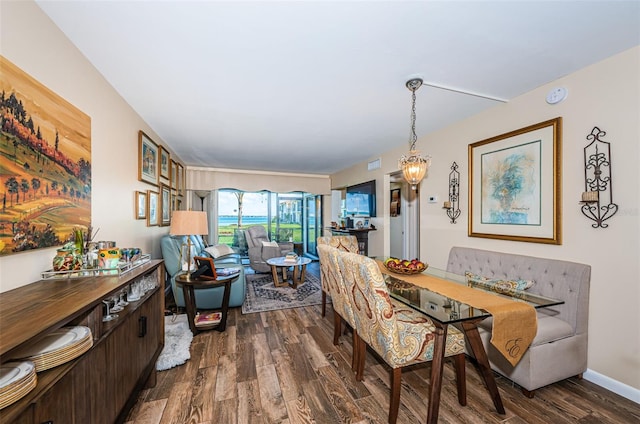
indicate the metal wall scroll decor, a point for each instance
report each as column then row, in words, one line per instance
column 452, row 206
column 597, row 199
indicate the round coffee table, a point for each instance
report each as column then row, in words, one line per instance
column 299, row 270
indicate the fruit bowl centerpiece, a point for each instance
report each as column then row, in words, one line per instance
column 404, row 266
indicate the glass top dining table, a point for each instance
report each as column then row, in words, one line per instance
column 445, row 311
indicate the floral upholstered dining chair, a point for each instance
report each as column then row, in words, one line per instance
column 342, row 310
column 401, row 336
column 345, row 243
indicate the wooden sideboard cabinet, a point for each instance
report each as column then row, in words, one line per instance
column 101, row 385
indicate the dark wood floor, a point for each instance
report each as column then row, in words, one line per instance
column 281, row 367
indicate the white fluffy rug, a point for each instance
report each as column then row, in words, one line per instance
column 177, row 341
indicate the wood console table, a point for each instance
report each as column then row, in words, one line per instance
column 362, row 234
column 101, row 385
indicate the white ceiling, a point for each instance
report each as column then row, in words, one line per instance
column 316, row 86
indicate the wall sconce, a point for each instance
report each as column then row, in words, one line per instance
column 452, row 205
column 597, row 199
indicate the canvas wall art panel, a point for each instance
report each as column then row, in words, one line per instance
column 45, row 164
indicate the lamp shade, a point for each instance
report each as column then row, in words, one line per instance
column 184, row 223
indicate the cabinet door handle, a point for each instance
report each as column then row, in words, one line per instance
column 142, row 326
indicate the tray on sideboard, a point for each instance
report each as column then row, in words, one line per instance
column 122, row 268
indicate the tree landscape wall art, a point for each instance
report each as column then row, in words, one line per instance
column 45, row 164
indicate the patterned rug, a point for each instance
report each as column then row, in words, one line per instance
column 262, row 295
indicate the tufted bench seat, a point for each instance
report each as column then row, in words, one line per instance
column 559, row 349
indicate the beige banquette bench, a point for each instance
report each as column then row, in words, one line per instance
column 559, row 349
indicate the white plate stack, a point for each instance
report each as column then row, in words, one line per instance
column 56, row 348
column 16, row 380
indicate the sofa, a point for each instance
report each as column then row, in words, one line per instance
column 559, row 350
column 205, row 298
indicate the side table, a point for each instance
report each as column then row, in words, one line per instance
column 189, row 286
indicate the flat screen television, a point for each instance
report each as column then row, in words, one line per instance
column 361, row 199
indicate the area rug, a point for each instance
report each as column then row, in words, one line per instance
column 262, row 295
column 177, row 341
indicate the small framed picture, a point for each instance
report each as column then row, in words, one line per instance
column 165, row 205
column 180, row 179
column 366, row 223
column 148, row 159
column 174, row 175
column 164, row 164
column 152, row 208
column 141, row 205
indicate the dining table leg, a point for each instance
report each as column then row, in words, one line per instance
column 437, row 364
column 475, row 343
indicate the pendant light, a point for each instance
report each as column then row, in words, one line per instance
column 414, row 166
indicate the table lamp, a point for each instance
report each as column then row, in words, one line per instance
column 187, row 223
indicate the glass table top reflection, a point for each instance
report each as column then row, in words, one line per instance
column 447, row 310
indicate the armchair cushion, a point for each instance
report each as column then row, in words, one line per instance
column 269, row 244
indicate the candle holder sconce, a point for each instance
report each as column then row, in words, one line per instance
column 597, row 199
column 452, row 205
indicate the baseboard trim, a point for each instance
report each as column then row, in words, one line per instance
column 615, row 386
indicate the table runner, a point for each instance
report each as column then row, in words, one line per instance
column 515, row 324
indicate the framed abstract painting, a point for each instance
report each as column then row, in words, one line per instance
column 515, row 185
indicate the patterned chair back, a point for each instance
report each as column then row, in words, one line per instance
column 346, row 243
column 332, row 279
column 400, row 338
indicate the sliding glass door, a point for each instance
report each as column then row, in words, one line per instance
column 286, row 216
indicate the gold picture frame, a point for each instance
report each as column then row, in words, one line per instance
column 152, row 208
column 165, row 205
column 164, row 163
column 141, row 205
column 515, row 185
column 148, row 159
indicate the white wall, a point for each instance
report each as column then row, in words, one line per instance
column 33, row 43
column 606, row 95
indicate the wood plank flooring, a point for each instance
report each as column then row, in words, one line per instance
column 281, row 367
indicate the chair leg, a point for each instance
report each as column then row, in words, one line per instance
column 394, row 403
column 354, row 355
column 362, row 353
column 324, row 303
column 461, row 378
column 337, row 327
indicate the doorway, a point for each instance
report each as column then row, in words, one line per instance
column 404, row 228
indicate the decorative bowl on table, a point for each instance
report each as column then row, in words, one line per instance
column 405, row 266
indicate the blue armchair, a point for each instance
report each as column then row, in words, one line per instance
column 205, row 298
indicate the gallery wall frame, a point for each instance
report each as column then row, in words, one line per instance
column 164, row 163
column 152, row 208
column 515, row 182
column 148, row 159
column 165, row 205
column 180, row 176
column 141, row 205
column 174, row 175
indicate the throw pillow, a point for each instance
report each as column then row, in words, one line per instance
column 498, row 285
column 219, row 250
column 269, row 244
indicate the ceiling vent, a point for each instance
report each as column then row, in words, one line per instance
column 374, row 164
